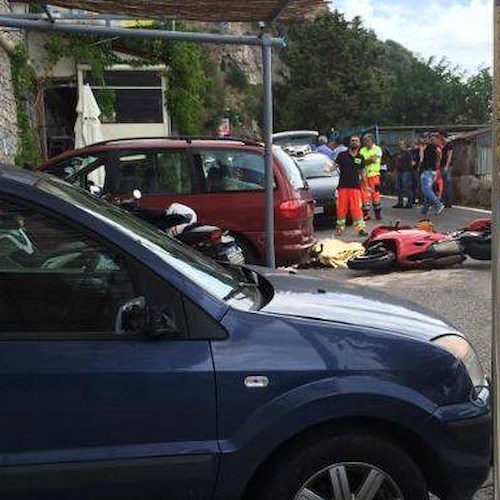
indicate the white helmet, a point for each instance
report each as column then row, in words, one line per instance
column 187, row 212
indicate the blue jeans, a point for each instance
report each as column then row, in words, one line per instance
column 405, row 188
column 447, row 191
column 430, row 198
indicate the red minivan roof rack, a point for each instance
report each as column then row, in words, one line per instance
column 187, row 138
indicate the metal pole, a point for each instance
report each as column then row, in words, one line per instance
column 268, row 154
column 495, row 351
column 181, row 36
column 68, row 16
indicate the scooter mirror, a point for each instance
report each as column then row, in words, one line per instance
column 95, row 190
column 137, row 194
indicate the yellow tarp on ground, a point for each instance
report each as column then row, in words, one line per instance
column 335, row 253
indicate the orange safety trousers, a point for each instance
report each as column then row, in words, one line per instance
column 370, row 193
column 349, row 201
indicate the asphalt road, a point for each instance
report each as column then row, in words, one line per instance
column 462, row 294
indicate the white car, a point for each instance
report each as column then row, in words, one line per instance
column 297, row 142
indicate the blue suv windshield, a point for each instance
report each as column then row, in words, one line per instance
column 226, row 283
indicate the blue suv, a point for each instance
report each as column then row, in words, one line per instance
column 134, row 367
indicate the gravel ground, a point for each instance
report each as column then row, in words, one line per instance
column 462, row 295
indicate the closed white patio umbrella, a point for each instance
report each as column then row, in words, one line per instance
column 88, row 125
column 88, row 128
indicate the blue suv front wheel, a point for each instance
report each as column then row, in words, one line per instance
column 354, row 465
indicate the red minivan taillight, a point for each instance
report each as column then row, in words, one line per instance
column 293, row 209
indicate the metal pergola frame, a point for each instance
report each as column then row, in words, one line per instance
column 45, row 22
column 495, row 350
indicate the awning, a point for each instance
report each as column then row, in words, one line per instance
column 203, row 10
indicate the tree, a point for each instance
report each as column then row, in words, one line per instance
column 339, row 73
column 331, row 75
column 479, row 96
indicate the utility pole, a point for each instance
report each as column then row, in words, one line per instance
column 495, row 351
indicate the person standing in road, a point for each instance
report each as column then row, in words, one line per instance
column 446, row 169
column 337, row 147
column 404, row 172
column 439, row 183
column 430, row 164
column 351, row 167
column 323, row 147
column 384, row 168
column 416, row 163
column 372, row 154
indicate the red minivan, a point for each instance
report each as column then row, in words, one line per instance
column 222, row 180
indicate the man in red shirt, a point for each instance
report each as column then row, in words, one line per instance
column 351, row 167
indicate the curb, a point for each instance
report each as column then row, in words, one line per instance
column 458, row 207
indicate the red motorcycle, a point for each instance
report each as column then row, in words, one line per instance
column 476, row 239
column 416, row 247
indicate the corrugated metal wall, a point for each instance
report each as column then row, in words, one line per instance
column 483, row 156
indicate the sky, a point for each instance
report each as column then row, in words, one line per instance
column 459, row 30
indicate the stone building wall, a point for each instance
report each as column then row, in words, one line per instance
column 8, row 122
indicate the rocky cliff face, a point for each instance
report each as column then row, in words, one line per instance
column 246, row 58
column 8, row 121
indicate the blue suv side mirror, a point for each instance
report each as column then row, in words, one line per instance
column 132, row 317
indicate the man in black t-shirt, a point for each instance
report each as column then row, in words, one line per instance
column 430, row 163
column 351, row 168
column 416, row 151
column 404, row 172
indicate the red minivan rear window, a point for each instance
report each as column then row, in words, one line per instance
column 230, row 170
column 291, row 169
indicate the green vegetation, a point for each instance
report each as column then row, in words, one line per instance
column 24, row 82
column 339, row 73
column 186, row 85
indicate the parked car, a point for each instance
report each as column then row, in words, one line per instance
column 323, row 180
column 133, row 367
column 296, row 142
column 222, row 180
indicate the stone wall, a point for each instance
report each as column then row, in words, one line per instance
column 470, row 191
column 8, row 122
column 472, row 184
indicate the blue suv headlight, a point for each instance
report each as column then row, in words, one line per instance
column 462, row 350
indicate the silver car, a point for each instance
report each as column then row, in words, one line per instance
column 323, row 180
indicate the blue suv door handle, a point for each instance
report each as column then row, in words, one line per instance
column 256, row 381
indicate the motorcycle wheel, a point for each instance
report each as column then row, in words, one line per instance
column 478, row 250
column 376, row 258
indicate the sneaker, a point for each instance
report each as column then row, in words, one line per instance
column 440, row 209
column 362, row 232
column 398, row 205
column 339, row 230
column 408, row 206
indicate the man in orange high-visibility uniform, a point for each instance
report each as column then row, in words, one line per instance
column 370, row 190
column 351, row 166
